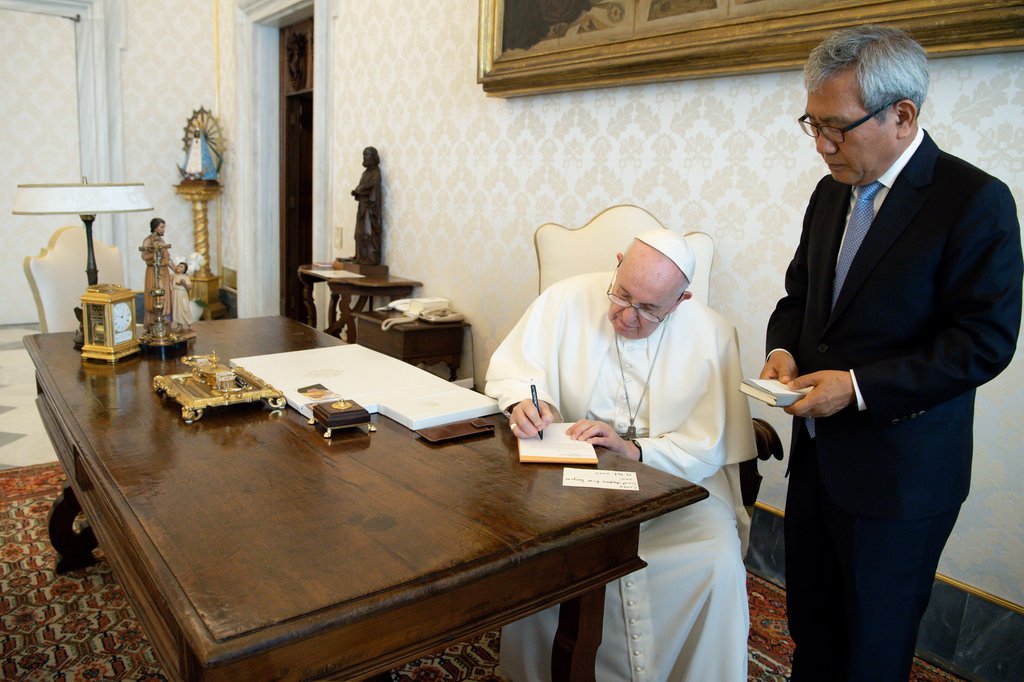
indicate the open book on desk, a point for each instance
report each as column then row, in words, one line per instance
column 772, row 392
column 556, row 448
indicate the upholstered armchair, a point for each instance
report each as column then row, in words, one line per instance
column 57, row 276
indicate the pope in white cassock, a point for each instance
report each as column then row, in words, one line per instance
column 648, row 373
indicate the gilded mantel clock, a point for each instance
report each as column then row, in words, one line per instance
column 108, row 321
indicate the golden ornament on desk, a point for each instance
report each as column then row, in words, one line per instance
column 108, row 323
column 212, row 384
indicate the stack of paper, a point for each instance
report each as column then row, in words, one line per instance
column 411, row 396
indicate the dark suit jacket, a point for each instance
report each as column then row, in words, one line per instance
column 929, row 311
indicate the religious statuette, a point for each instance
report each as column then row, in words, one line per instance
column 204, row 148
column 200, row 184
column 161, row 335
column 369, row 227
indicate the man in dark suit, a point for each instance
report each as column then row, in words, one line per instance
column 903, row 297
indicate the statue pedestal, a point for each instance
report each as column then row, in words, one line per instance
column 367, row 270
column 205, row 284
column 206, row 289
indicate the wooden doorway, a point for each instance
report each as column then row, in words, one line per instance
column 296, row 245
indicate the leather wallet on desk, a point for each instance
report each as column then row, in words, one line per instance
column 470, row 427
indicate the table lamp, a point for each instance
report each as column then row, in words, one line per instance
column 86, row 201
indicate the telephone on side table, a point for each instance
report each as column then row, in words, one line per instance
column 416, row 342
column 433, row 310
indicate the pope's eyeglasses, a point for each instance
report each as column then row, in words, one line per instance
column 642, row 312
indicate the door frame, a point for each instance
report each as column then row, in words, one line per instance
column 257, row 23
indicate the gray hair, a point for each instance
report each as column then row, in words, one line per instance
column 888, row 64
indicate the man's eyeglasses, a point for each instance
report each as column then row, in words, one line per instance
column 833, row 134
column 642, row 312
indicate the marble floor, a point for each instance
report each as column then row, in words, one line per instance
column 23, row 440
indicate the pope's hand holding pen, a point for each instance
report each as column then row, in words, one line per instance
column 527, row 420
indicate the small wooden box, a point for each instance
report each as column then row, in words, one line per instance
column 339, row 414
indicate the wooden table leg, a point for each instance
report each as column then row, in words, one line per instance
column 346, row 322
column 74, row 548
column 580, row 622
column 333, row 321
column 307, row 298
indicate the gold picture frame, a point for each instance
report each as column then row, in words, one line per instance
column 609, row 44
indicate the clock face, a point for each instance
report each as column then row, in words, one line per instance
column 122, row 316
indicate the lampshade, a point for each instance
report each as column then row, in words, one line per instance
column 86, row 201
column 80, row 198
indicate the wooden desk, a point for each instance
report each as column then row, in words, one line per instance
column 343, row 289
column 252, row 548
column 413, row 342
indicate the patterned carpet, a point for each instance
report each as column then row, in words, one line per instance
column 80, row 626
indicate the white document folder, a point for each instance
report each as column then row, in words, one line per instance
column 411, row 396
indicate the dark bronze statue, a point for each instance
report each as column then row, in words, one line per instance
column 369, row 222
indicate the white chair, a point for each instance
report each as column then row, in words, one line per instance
column 564, row 252
column 58, row 280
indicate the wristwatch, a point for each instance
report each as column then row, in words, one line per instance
column 637, row 444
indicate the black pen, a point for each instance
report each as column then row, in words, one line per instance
column 533, row 392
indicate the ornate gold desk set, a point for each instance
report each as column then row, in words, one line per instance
column 212, row 384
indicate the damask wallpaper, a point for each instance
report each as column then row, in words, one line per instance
column 167, row 54
column 468, row 178
column 39, row 139
column 168, row 72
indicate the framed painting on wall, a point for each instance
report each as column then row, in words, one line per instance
column 532, row 46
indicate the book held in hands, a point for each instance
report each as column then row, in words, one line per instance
column 772, row 392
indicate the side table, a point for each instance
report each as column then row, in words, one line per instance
column 413, row 342
column 343, row 289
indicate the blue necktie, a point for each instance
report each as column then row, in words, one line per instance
column 860, row 220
